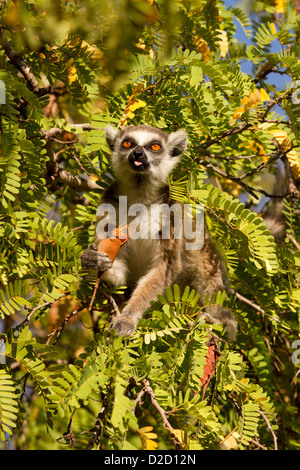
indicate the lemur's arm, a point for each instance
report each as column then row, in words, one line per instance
column 147, row 289
column 91, row 258
column 165, row 268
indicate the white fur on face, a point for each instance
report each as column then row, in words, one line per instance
column 143, row 136
column 161, row 165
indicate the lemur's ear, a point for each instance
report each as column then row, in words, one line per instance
column 110, row 134
column 178, row 142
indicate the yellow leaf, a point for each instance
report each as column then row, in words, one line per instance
column 251, row 101
column 230, row 441
column 133, row 105
column 146, row 429
column 146, row 438
column 294, row 162
column 202, row 48
column 279, row 6
column 223, row 42
column 273, row 28
column 264, row 95
column 237, row 114
column 265, row 125
column 71, row 70
column 180, row 436
column 136, row 104
column 279, row 134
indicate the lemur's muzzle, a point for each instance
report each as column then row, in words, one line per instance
column 138, row 159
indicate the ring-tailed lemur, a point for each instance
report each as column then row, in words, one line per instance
column 142, row 159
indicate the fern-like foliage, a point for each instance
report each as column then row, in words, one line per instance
column 9, row 406
column 62, row 368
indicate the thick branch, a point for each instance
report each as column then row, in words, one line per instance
column 51, row 133
column 58, row 175
column 75, row 181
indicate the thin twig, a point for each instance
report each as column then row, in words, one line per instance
column 249, row 189
column 249, row 302
column 295, row 243
column 33, row 311
column 269, row 428
column 227, row 133
column 68, row 436
column 148, row 389
column 95, row 290
column 99, row 425
column 286, row 94
column 113, row 303
column 258, row 444
column 58, row 330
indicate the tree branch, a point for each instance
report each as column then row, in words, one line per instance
column 249, row 302
column 58, row 330
column 285, row 95
column 295, row 243
column 227, row 133
column 55, row 174
column 249, row 189
column 148, row 389
column 54, row 131
column 75, row 181
column 270, row 428
column 20, row 64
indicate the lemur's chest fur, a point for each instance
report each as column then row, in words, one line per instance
column 143, row 216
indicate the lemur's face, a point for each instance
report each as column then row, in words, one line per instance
column 144, row 149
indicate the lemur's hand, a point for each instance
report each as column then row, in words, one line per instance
column 93, row 259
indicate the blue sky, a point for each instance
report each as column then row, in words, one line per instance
column 278, row 80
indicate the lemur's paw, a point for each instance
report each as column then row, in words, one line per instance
column 124, row 326
column 93, row 259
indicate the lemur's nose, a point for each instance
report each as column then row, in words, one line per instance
column 138, row 152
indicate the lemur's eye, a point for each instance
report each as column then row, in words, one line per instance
column 127, row 144
column 155, row 147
